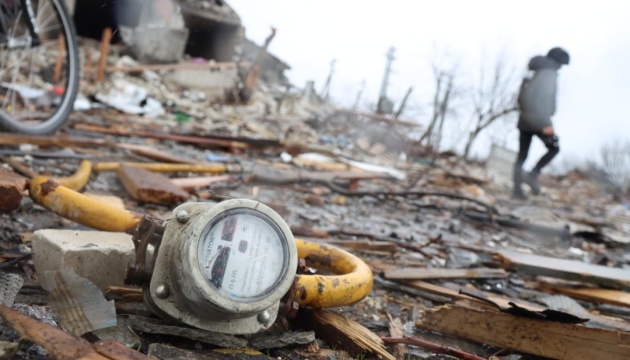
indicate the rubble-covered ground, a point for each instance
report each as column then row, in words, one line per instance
column 416, row 216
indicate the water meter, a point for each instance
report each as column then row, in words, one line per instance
column 220, row 267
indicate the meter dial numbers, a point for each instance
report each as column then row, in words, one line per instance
column 243, row 255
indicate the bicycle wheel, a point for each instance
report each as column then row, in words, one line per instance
column 39, row 65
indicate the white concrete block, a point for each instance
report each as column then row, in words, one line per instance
column 101, row 257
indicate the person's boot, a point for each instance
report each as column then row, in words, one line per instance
column 531, row 179
column 518, row 194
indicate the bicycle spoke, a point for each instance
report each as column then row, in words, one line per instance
column 43, row 24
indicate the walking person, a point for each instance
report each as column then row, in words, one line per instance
column 537, row 105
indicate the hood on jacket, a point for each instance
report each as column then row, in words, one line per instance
column 542, row 62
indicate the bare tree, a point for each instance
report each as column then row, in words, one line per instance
column 615, row 158
column 442, row 103
column 492, row 99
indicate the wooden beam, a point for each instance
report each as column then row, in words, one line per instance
column 12, row 187
column 565, row 269
column 60, row 141
column 543, row 338
column 424, row 274
column 146, row 186
column 61, row 54
column 178, row 66
column 607, row 296
column 102, row 61
column 19, row 166
column 154, row 154
column 197, row 140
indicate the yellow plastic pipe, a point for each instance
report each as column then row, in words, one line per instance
column 79, row 179
column 168, row 167
column 80, row 208
column 351, row 283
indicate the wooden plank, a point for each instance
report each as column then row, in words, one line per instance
column 150, row 187
column 345, row 333
column 12, row 187
column 60, row 141
column 197, row 140
column 192, row 183
column 102, row 61
column 543, row 338
column 154, row 154
column 566, row 269
column 607, row 296
column 424, row 274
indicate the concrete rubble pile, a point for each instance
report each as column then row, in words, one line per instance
column 459, row 269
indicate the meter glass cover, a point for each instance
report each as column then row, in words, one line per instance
column 243, row 254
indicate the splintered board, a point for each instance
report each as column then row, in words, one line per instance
column 566, row 269
column 543, row 338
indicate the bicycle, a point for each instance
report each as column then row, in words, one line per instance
column 39, row 65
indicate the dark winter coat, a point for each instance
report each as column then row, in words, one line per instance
column 537, row 99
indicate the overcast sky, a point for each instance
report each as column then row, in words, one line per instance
column 593, row 89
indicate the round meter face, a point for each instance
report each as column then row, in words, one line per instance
column 243, row 254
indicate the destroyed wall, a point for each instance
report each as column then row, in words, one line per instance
column 273, row 67
column 215, row 29
column 210, row 29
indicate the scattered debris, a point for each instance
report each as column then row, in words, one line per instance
column 194, row 120
column 60, row 345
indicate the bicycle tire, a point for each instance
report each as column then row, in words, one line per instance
column 51, row 121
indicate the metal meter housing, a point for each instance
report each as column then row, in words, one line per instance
column 223, row 267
